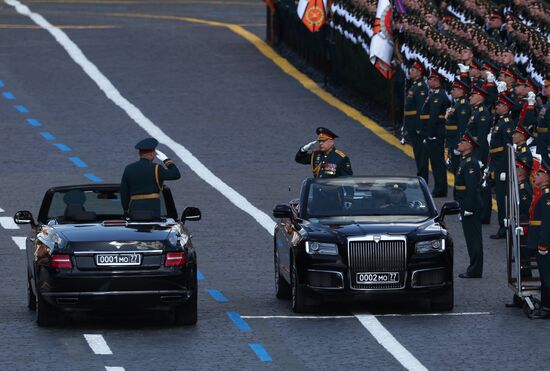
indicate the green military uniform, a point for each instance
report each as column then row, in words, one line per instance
column 329, row 164
column 525, row 190
column 467, row 192
column 414, row 100
column 455, row 125
column 432, row 117
column 543, row 133
column 142, row 182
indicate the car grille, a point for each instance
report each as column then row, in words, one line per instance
column 386, row 255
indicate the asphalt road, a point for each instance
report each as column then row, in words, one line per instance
column 211, row 90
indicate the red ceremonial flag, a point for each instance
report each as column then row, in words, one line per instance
column 313, row 13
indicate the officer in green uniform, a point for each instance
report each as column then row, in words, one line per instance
column 457, row 118
column 142, row 181
column 467, row 192
column 414, row 100
column 490, row 70
column 543, row 126
column 501, row 136
column 523, row 170
column 519, row 138
column 539, row 237
column 479, row 127
column 432, row 117
column 325, row 160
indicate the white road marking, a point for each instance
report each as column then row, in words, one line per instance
column 296, row 317
column 145, row 123
column 20, row 242
column 98, row 344
column 376, row 315
column 1, row 210
column 7, row 222
column 111, row 368
column 386, row 339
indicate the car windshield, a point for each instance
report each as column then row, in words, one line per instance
column 359, row 197
column 92, row 205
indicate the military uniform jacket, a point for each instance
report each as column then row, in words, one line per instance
column 543, row 134
column 414, row 100
column 525, row 199
column 467, row 189
column 492, row 93
column 524, row 154
column 457, row 121
column 501, row 135
column 143, row 179
column 326, row 164
column 479, row 126
column 432, row 116
column 539, row 226
column 527, row 115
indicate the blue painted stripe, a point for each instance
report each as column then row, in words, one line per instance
column 21, row 109
column 260, row 351
column 78, row 162
column 217, row 295
column 9, row 95
column 34, row 122
column 94, row 178
column 200, row 276
column 63, row 147
column 239, row 322
column 47, row 135
column 1, row 84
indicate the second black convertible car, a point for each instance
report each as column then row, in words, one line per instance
column 83, row 253
column 357, row 237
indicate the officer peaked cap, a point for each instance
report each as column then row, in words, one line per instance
column 505, row 99
column 324, row 134
column 522, row 130
column 147, row 144
column 468, row 137
column 480, row 91
column 461, row 85
column 544, row 166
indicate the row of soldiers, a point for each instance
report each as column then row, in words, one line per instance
column 467, row 134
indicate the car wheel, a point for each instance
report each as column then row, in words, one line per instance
column 298, row 296
column 282, row 288
column 46, row 314
column 31, row 298
column 444, row 301
column 186, row 314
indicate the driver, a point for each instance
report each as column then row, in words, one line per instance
column 396, row 200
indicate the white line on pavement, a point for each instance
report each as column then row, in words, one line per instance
column 98, row 344
column 111, row 368
column 1, row 210
column 386, row 339
column 7, row 222
column 20, row 242
column 145, row 123
column 376, row 315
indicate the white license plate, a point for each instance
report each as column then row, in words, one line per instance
column 114, row 260
column 376, row 277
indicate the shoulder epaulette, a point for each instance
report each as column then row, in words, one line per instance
column 522, row 186
column 463, row 101
column 480, row 108
column 506, row 119
column 340, row 153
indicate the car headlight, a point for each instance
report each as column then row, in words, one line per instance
column 423, row 247
column 321, row 248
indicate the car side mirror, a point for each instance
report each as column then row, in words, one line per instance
column 449, row 208
column 23, row 217
column 282, row 211
column 191, row 213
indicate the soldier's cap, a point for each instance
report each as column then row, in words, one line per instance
column 523, row 131
column 521, row 80
column 479, row 91
column 419, row 66
column 436, row 75
column 496, row 14
column 468, row 137
column 544, row 166
column 477, row 64
column 547, row 81
column 508, row 72
column 520, row 163
column 534, row 85
column 460, row 84
column 147, row 144
column 505, row 99
column 394, row 187
column 324, row 134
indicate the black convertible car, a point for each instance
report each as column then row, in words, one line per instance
column 360, row 237
column 83, row 253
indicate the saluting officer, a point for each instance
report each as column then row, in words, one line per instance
column 543, row 127
column 414, row 100
column 326, row 161
column 490, row 71
column 501, row 135
column 142, row 180
column 457, row 118
column 467, row 192
column 538, row 239
column 433, row 131
column 519, row 138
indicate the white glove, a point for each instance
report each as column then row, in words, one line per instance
column 161, row 156
column 463, row 68
column 480, row 163
column 309, row 147
column 490, row 77
column 501, row 86
column 531, row 98
column 502, row 177
column 456, row 152
column 468, row 213
column 489, row 138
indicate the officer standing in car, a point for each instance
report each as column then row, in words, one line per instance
column 142, row 180
column 326, row 161
column 467, row 192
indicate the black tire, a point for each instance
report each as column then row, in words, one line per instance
column 31, row 298
column 282, row 288
column 187, row 313
column 443, row 302
column 46, row 314
column 298, row 296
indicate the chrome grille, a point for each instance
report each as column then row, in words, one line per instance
column 389, row 254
